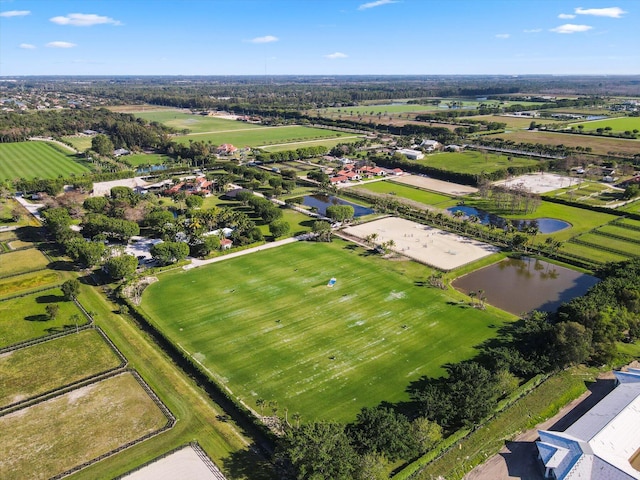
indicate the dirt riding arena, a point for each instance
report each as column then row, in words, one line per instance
column 428, row 245
column 540, row 182
column 439, row 186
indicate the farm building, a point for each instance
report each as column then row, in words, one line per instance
column 430, row 145
column 411, row 154
column 604, row 443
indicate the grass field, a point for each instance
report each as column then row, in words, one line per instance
column 80, row 143
column 626, row 248
column 194, row 123
column 28, row 281
column 620, row 124
column 621, row 232
column 276, row 331
column 599, row 145
column 32, row 371
column 515, row 123
column 263, row 136
column 21, row 261
column 404, row 191
column 54, row 436
column 138, row 159
column 592, row 253
column 24, row 318
column 632, row 207
column 329, row 143
column 473, row 162
column 36, row 159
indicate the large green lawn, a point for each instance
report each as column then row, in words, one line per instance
column 404, row 191
column 194, row 123
column 620, row 124
column 473, row 162
column 329, row 143
column 36, row 159
column 21, row 261
column 259, row 136
column 266, row 325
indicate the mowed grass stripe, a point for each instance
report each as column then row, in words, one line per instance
column 621, row 232
column 35, row 370
column 267, row 325
column 416, row 194
column 21, row 261
column 36, row 159
column 630, row 248
column 54, row 436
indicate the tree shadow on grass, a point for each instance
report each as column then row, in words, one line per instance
column 249, row 464
column 61, row 329
column 37, row 318
column 50, row 299
column 65, row 266
column 29, row 234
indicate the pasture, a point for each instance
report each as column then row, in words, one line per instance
column 473, row 162
column 266, row 325
column 24, row 318
column 599, row 145
column 263, row 136
column 620, row 124
column 79, row 142
column 28, row 281
column 329, row 143
column 137, row 159
column 404, row 191
column 592, row 253
column 194, row 123
column 36, row 159
column 514, row 123
column 28, row 372
column 21, row 261
column 56, row 435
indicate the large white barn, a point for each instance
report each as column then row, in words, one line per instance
column 604, row 444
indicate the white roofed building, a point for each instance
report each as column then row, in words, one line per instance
column 603, row 444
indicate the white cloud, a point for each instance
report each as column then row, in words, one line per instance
column 15, row 13
column 533, row 30
column 84, row 20
column 503, row 35
column 60, row 45
column 571, row 28
column 377, row 3
column 566, row 16
column 333, row 56
column 265, row 39
column 27, row 46
column 612, row 12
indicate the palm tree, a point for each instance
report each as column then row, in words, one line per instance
column 296, row 417
column 260, row 403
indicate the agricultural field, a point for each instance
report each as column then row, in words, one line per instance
column 24, row 318
column 473, row 162
column 32, row 371
column 36, row 159
column 264, row 136
column 195, row 123
column 278, row 332
column 89, row 421
column 21, row 261
column 620, row 124
column 599, row 145
column 404, row 191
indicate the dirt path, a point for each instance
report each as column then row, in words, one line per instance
column 518, row 459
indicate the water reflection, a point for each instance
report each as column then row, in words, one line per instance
column 321, row 202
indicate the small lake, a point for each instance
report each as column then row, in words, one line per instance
column 522, row 285
column 545, row 225
column 321, row 202
column 152, row 168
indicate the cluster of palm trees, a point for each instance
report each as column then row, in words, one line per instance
column 261, row 403
column 384, row 247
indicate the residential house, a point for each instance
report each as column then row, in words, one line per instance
column 430, row 145
column 226, row 244
column 226, row 149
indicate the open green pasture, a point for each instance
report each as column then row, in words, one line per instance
column 266, row 325
column 137, row 159
column 620, row 124
column 56, row 435
column 263, row 136
column 473, row 162
column 80, row 143
column 329, row 143
column 632, row 207
column 35, row 370
column 21, row 261
column 405, row 191
column 24, row 318
column 620, row 231
column 594, row 253
column 516, row 123
column 625, row 248
column 36, row 159
column 17, row 284
column 194, row 123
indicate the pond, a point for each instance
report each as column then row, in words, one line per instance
column 150, row 169
column 522, row 285
column 545, row 225
column 321, row 202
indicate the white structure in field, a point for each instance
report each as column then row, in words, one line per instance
column 604, row 444
column 411, row 154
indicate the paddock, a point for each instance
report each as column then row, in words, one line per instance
column 539, row 182
column 427, row 245
column 448, row 188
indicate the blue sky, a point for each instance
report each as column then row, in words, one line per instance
column 318, row 37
